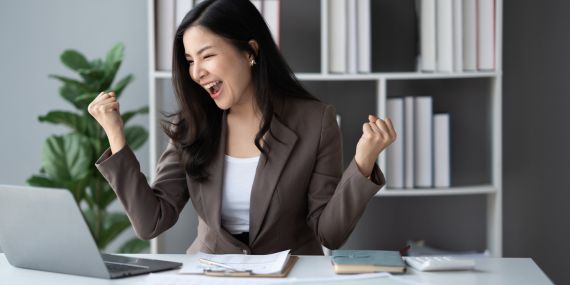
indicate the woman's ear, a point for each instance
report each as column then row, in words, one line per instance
column 254, row 46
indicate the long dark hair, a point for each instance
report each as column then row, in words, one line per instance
column 196, row 131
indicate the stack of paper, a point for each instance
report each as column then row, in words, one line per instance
column 257, row 264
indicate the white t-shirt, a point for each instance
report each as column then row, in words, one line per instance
column 238, row 180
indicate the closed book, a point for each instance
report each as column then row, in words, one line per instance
column 337, row 36
column 409, row 140
column 165, row 28
column 486, row 34
column 352, row 36
column 395, row 152
column 470, row 35
column 444, row 35
column 363, row 36
column 423, row 144
column 366, row 261
column 457, row 36
column 441, row 151
column 428, row 41
column 182, row 8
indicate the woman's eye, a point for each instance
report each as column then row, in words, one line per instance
column 207, row 56
column 190, row 61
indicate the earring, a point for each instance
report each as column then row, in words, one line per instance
column 252, row 62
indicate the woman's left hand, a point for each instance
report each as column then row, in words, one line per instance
column 377, row 134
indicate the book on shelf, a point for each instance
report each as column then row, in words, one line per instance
column 486, row 34
column 363, row 36
column 165, row 28
column 395, row 152
column 337, row 36
column 423, row 143
column 367, row 261
column 444, row 35
column 469, row 35
column 352, row 38
column 457, row 36
column 441, row 151
column 409, row 140
column 428, row 41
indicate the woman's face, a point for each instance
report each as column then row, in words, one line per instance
column 219, row 67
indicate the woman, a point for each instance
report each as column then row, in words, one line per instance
column 259, row 157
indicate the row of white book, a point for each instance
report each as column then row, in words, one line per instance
column 420, row 156
column 169, row 14
column 457, row 35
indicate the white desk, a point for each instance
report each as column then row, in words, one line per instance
column 488, row 271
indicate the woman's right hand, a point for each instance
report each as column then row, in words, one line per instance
column 105, row 109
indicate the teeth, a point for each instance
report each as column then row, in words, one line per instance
column 211, row 84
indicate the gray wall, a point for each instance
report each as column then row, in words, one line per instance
column 537, row 134
column 33, row 33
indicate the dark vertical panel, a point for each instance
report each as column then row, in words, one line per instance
column 537, row 135
column 301, row 34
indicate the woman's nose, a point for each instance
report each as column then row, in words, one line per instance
column 198, row 72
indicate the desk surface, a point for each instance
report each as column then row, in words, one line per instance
column 488, row 271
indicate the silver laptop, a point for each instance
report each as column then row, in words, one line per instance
column 43, row 229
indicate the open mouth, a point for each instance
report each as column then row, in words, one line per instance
column 214, row 88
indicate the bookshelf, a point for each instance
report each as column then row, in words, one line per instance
column 473, row 98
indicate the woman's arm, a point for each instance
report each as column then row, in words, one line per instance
column 152, row 210
column 338, row 199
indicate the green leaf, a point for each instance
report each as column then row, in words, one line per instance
column 120, row 86
column 134, row 245
column 92, row 77
column 77, row 85
column 127, row 116
column 136, row 136
column 69, row 94
column 113, row 225
column 72, row 120
column 74, row 60
column 40, row 181
column 67, row 157
column 115, row 54
column 85, row 99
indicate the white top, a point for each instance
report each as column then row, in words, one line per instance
column 238, row 180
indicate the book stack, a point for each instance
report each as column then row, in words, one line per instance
column 420, row 157
column 457, row 36
column 349, row 36
column 367, row 261
column 169, row 14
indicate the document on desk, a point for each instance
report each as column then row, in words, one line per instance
column 257, row 264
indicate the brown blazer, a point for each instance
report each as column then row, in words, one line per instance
column 300, row 199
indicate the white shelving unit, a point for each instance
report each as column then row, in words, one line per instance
column 491, row 189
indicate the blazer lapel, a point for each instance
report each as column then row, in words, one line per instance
column 281, row 143
column 211, row 191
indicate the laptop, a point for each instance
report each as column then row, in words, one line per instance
column 44, row 229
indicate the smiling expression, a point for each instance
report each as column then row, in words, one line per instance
column 219, row 67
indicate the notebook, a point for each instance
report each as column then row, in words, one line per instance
column 43, row 229
column 366, row 261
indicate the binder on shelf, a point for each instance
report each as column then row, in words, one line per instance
column 428, row 39
column 486, row 34
column 423, row 143
column 409, row 140
column 337, row 36
column 441, row 150
column 444, row 35
column 395, row 152
column 363, row 36
column 457, row 36
column 165, row 28
column 470, row 35
column 352, row 33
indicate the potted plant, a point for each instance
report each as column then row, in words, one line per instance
column 68, row 160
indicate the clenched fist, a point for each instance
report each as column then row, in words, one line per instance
column 105, row 109
column 377, row 134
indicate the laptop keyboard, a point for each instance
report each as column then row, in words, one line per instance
column 121, row 267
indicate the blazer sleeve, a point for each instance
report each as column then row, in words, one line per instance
column 151, row 209
column 337, row 199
